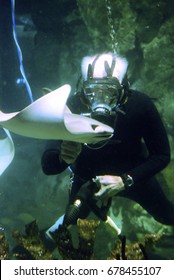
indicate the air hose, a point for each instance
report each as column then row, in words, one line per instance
column 20, row 52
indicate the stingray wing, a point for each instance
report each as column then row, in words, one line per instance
column 7, row 150
column 49, row 118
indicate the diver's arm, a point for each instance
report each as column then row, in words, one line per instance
column 56, row 159
column 69, row 151
column 50, row 161
column 157, row 143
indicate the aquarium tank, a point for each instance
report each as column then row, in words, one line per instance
column 42, row 45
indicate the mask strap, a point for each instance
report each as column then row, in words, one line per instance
column 113, row 66
column 107, row 69
column 93, row 65
column 90, row 72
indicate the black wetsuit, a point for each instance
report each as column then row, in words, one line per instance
column 138, row 147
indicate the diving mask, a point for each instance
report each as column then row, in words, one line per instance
column 102, row 95
column 102, row 86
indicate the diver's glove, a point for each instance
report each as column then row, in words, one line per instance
column 69, row 151
column 109, row 186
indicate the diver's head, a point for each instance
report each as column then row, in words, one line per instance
column 102, row 86
column 102, row 95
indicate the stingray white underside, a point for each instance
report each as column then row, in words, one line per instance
column 50, row 118
column 7, row 151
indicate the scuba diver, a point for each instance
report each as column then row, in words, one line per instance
column 126, row 164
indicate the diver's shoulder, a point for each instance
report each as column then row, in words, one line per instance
column 140, row 96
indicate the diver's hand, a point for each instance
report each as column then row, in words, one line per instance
column 69, row 151
column 109, row 186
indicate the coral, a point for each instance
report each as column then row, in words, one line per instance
column 4, row 247
column 31, row 244
column 87, row 234
column 135, row 251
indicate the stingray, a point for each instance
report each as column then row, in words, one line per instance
column 49, row 118
column 7, row 150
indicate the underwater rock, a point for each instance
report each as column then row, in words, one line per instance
column 136, row 221
column 164, row 248
column 95, row 16
column 157, row 74
column 25, row 217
